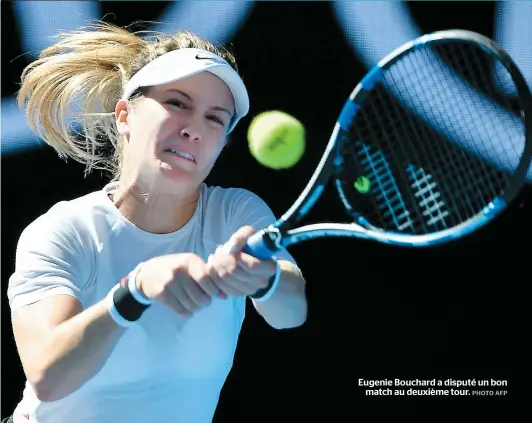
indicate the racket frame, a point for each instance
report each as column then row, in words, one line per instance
column 284, row 233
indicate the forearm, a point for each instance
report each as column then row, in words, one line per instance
column 76, row 350
column 287, row 307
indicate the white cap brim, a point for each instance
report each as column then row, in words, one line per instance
column 182, row 63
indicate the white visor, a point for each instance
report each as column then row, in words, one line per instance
column 185, row 62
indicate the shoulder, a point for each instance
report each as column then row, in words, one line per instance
column 55, row 254
column 69, row 228
column 232, row 198
column 64, row 219
column 235, row 205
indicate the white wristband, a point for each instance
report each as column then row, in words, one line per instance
column 134, row 289
column 114, row 312
column 273, row 287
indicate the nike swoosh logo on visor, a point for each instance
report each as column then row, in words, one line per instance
column 214, row 58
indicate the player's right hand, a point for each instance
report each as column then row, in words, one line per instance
column 179, row 281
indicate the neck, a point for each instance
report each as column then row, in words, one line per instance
column 155, row 212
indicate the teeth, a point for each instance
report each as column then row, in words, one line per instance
column 182, row 154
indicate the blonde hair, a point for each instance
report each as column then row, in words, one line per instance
column 70, row 92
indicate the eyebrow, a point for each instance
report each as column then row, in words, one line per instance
column 184, row 94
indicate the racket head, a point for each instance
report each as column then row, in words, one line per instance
column 434, row 142
column 471, row 197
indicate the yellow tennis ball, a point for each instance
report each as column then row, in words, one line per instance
column 276, row 139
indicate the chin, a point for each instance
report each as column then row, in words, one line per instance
column 176, row 176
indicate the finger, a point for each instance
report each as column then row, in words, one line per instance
column 222, row 285
column 220, row 278
column 231, row 289
column 196, row 294
column 203, row 284
column 237, row 241
column 256, row 267
column 228, row 276
column 247, row 282
column 171, row 302
column 249, row 263
column 240, row 283
column 213, row 276
column 179, row 293
column 207, row 285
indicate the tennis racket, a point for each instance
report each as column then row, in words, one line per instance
column 432, row 144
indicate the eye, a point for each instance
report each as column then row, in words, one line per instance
column 216, row 119
column 177, row 103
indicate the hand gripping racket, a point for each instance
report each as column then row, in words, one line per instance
column 432, row 144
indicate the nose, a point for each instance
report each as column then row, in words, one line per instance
column 190, row 134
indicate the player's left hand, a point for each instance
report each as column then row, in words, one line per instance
column 235, row 272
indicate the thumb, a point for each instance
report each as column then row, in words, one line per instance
column 238, row 240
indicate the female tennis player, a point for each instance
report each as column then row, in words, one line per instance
column 127, row 302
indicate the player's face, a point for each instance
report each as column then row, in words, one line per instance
column 176, row 132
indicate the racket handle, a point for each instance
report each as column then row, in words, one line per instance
column 260, row 245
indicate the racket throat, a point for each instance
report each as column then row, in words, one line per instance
column 365, row 223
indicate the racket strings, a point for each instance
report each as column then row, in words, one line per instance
column 447, row 164
column 427, row 201
column 436, row 138
column 490, row 180
column 473, row 66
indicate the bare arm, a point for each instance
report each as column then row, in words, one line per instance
column 287, row 307
column 62, row 346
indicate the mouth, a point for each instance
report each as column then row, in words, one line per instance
column 181, row 154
